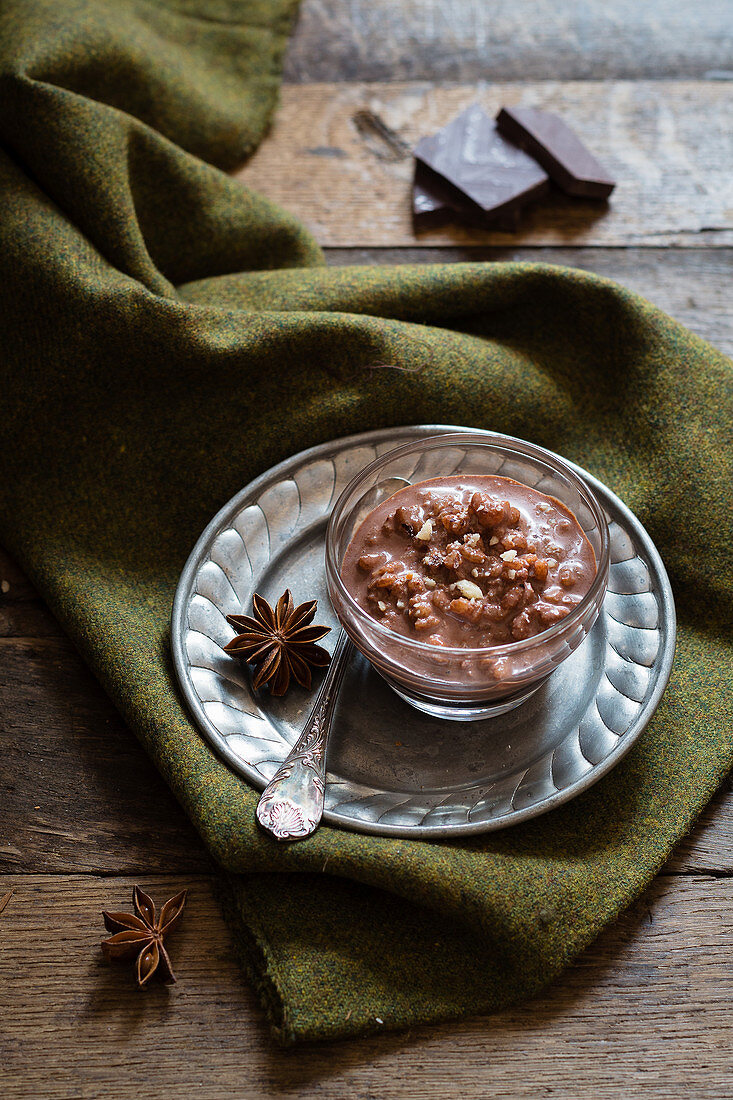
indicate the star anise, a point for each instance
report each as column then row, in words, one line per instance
column 142, row 933
column 279, row 642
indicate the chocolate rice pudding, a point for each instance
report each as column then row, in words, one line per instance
column 475, row 561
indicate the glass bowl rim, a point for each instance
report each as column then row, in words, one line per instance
column 487, row 438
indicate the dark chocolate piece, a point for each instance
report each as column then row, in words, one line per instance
column 472, row 157
column 558, row 149
column 435, row 203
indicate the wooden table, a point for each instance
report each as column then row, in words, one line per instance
column 646, row 1011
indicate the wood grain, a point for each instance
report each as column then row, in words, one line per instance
column 675, row 185
column 77, row 791
column 644, row 1012
column 471, row 40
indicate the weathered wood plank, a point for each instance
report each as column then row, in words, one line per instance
column 709, row 847
column 353, row 190
column 22, row 613
column 77, row 791
column 14, row 585
column 26, row 619
column 692, row 285
column 470, row 40
column 647, row 1010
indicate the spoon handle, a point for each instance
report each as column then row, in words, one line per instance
column 291, row 805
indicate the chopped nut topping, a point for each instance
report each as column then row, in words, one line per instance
column 540, row 569
column 428, row 623
column 514, row 540
column 473, row 554
column 467, row 609
column 368, row 562
column 407, row 519
column 433, row 559
column 470, row 590
column 453, row 558
column 522, row 626
column 432, row 543
column 456, row 521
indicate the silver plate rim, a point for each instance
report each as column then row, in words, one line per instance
column 663, row 662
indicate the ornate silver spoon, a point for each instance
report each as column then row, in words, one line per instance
column 291, row 805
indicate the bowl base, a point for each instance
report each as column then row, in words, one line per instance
column 461, row 711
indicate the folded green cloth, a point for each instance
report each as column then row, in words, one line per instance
column 168, row 335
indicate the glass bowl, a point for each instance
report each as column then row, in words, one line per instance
column 460, row 683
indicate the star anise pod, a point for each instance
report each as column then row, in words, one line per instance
column 279, row 642
column 142, row 933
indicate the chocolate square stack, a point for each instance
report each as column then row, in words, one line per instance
column 483, row 173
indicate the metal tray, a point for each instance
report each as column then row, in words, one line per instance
column 392, row 770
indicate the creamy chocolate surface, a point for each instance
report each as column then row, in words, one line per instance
column 469, row 561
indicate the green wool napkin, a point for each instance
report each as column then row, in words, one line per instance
column 168, row 335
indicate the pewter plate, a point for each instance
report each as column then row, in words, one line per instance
column 391, row 769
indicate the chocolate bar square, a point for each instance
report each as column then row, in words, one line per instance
column 435, row 203
column 473, row 158
column 558, row 149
